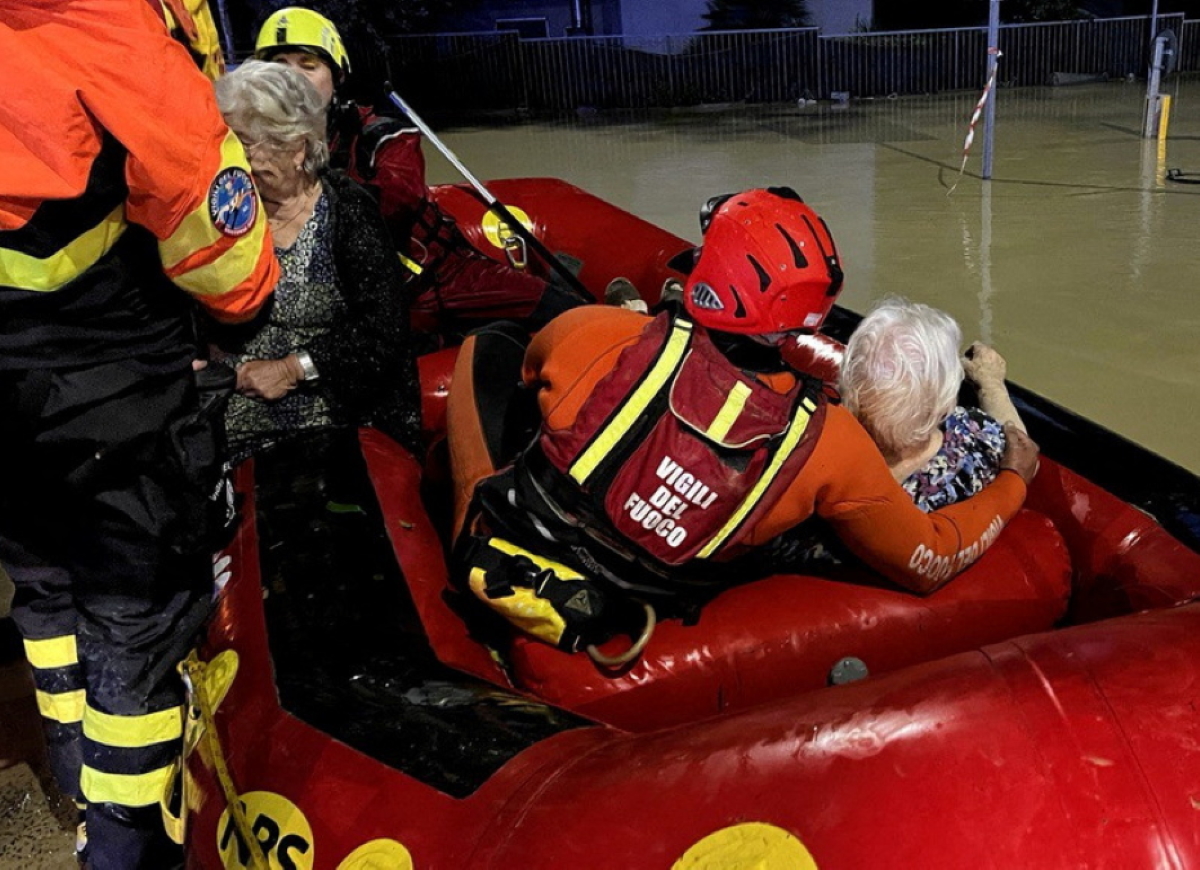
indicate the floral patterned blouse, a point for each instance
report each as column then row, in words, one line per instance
column 968, row 460
column 307, row 301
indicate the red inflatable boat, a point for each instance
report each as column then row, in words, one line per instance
column 1040, row 711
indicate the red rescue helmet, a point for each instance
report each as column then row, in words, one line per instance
column 768, row 265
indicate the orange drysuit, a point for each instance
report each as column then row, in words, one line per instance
column 845, row 481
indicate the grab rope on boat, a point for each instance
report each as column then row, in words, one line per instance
column 193, row 670
column 987, row 92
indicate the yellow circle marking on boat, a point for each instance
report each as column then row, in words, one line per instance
column 492, row 223
column 378, row 855
column 283, row 834
column 750, row 846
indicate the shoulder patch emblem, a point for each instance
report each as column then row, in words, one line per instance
column 232, row 202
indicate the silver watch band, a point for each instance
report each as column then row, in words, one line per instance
column 307, row 366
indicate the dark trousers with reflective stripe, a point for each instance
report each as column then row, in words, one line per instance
column 109, row 589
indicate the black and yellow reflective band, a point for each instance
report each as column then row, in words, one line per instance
column 45, row 274
column 196, row 232
column 791, row 440
column 664, row 368
column 127, row 789
column 729, row 413
column 52, row 652
column 63, row 707
column 133, row 732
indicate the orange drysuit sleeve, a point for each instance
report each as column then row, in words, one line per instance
column 846, row 480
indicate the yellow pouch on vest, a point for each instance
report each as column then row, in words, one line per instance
column 544, row 598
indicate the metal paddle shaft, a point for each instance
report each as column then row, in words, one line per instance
column 492, row 203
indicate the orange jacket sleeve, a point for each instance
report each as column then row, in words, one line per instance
column 847, row 482
column 188, row 177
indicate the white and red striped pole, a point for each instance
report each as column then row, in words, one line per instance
column 966, row 149
column 986, row 100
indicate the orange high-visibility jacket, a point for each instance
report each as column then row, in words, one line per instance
column 116, row 170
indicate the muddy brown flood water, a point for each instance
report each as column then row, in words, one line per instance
column 1077, row 260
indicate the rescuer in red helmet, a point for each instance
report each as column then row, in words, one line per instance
column 668, row 445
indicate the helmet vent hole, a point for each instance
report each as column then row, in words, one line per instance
column 797, row 254
column 740, row 311
column 764, row 277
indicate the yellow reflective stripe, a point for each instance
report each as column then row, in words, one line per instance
column 131, row 790
column 230, row 269
column 411, row 265
column 730, row 411
column 637, row 403
column 196, row 231
column 132, row 732
column 64, row 707
column 510, row 549
column 65, row 265
column 52, row 652
column 790, row 441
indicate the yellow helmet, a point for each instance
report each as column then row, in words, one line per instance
column 298, row 28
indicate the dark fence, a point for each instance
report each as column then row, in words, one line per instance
column 466, row 73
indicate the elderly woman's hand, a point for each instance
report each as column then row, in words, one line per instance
column 984, row 365
column 269, row 379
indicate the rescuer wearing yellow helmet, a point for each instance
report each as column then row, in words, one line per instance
column 457, row 286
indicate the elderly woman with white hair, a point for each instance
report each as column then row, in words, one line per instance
column 901, row 376
column 332, row 350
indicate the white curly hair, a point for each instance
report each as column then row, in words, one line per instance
column 273, row 104
column 902, row 372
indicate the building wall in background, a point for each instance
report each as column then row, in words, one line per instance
column 840, row 16
column 639, row 18
column 643, row 17
column 482, row 17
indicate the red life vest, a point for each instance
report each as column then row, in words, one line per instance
column 677, row 451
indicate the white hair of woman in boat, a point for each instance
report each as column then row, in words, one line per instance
column 272, row 105
column 901, row 374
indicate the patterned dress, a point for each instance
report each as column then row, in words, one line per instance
column 969, row 459
column 307, row 301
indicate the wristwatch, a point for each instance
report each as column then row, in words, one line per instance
column 307, row 366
